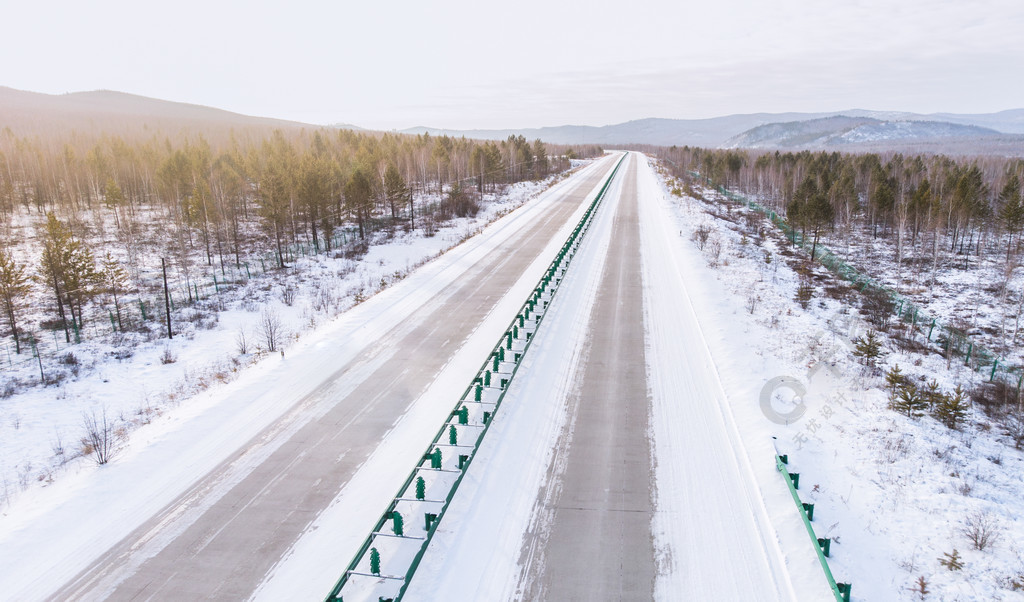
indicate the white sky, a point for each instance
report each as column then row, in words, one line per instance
column 471, row 64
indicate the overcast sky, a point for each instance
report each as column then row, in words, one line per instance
column 392, row 64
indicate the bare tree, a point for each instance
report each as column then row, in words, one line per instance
column 270, row 326
column 100, row 436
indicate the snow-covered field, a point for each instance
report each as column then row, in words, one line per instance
column 894, row 494
column 42, row 428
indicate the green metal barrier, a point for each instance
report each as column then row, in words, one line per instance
column 547, row 285
column 821, row 545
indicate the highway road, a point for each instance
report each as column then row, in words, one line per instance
column 226, row 530
column 599, row 543
column 644, row 488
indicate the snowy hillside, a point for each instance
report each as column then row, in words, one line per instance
column 842, row 131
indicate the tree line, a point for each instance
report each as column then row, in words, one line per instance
column 932, row 212
column 84, row 216
column 932, row 200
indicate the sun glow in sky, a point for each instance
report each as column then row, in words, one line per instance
column 392, row 64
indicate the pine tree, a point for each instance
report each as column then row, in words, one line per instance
column 359, row 199
column 931, row 395
column 952, row 560
column 908, row 401
column 395, row 191
column 868, row 348
column 1011, row 213
column 952, row 408
column 14, row 285
column 894, row 379
column 113, row 198
column 115, row 280
column 70, row 269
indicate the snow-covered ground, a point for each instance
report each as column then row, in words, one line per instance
column 894, row 494
column 476, row 553
column 50, row 532
column 134, row 382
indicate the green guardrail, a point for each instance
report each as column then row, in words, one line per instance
column 515, row 341
column 822, row 545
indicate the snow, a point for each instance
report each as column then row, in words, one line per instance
column 41, row 426
column 892, row 493
column 50, row 533
column 315, row 563
column 475, row 552
column 703, row 472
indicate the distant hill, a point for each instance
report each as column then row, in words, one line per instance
column 35, row 113
column 862, row 134
column 659, row 132
column 999, row 129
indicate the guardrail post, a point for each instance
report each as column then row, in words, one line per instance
column 435, row 459
column 421, row 488
column 826, row 545
column 453, row 435
column 795, row 477
column 428, row 519
column 463, row 415
column 375, row 561
column 844, row 589
column 463, row 460
column 487, row 378
column 479, row 393
column 487, row 417
column 396, row 523
column 808, row 508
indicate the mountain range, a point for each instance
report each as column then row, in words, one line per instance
column 853, row 130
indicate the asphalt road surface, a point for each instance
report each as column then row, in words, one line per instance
column 196, row 548
column 598, row 545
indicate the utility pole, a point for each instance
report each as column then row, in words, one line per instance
column 167, row 298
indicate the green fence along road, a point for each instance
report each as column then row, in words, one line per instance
column 950, row 340
column 822, row 545
column 387, row 560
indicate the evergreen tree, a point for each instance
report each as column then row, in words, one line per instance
column 314, row 193
column 908, row 401
column 113, row 198
column 115, row 280
column 868, row 348
column 1011, row 212
column 69, row 268
column 952, row 408
column 14, row 285
column 932, row 395
column 359, row 199
column 894, row 378
column 396, row 192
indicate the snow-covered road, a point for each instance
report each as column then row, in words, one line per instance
column 575, row 496
column 206, row 503
column 618, row 467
